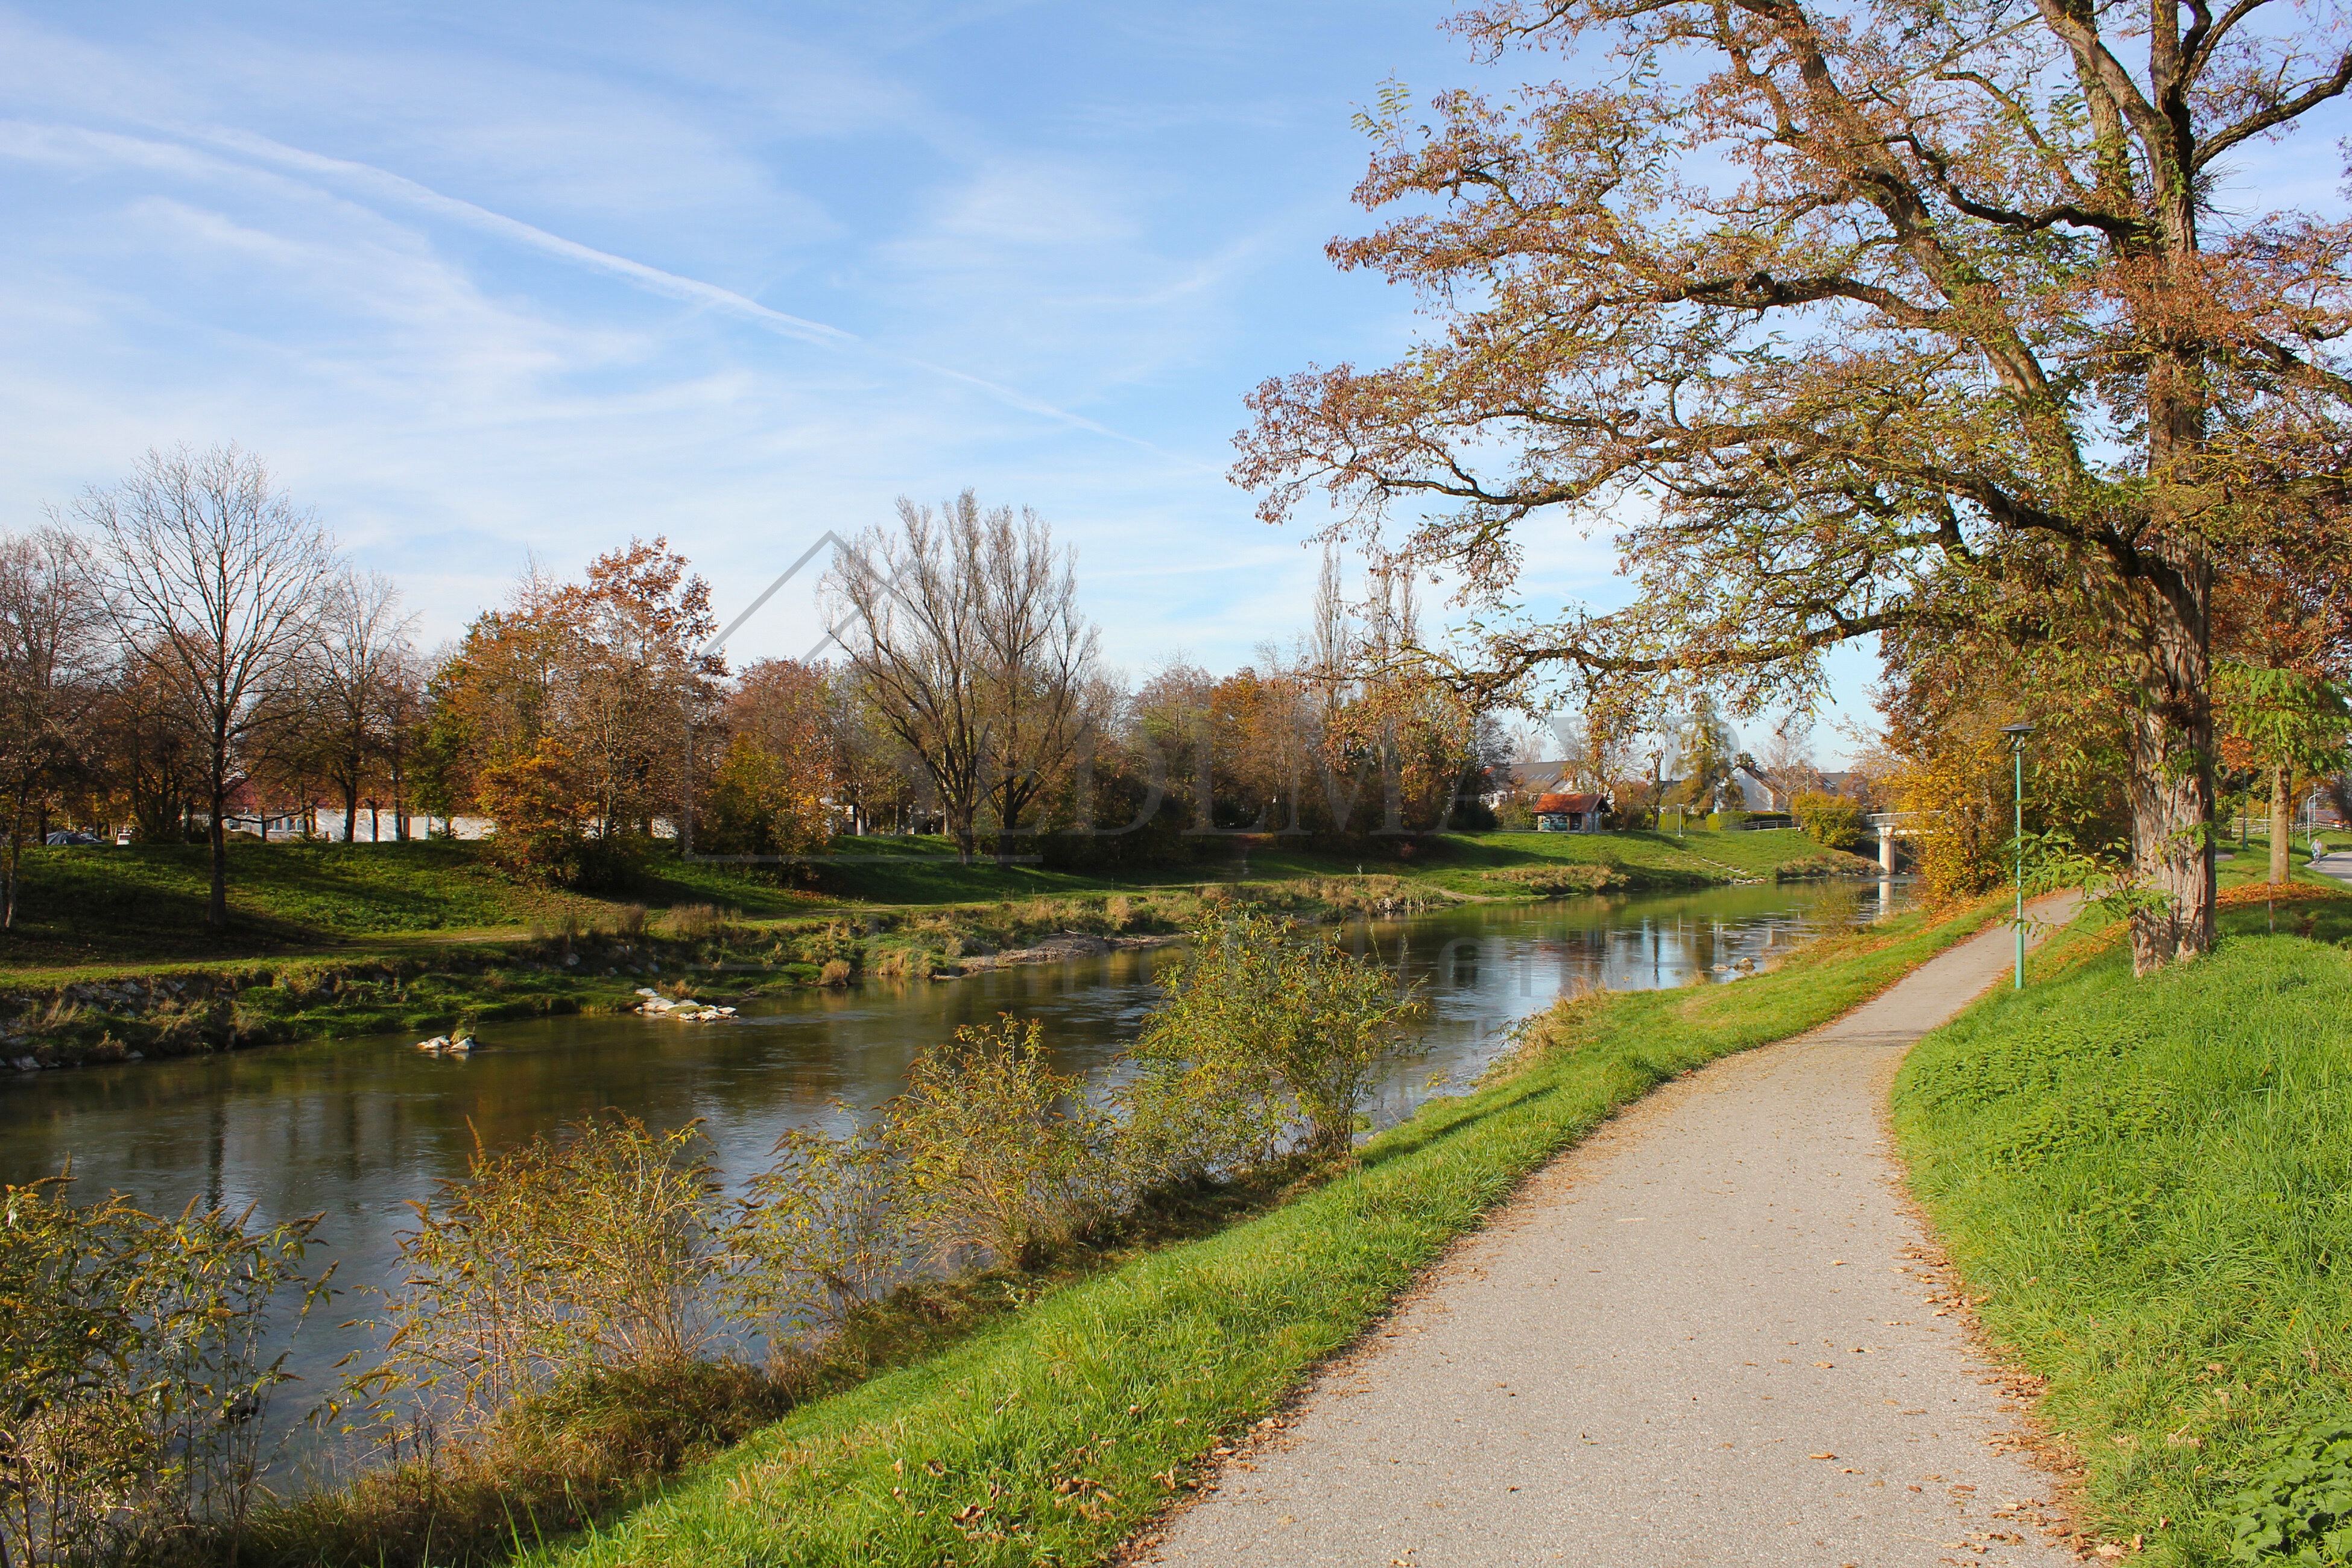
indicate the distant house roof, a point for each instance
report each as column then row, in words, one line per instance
column 1748, row 782
column 1556, row 805
column 1781, row 792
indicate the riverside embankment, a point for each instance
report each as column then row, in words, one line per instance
column 598, row 966
column 345, row 940
column 1056, row 1432
column 350, row 1128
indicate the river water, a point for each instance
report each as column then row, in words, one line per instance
column 354, row 1129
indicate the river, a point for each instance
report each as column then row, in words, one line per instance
column 354, row 1129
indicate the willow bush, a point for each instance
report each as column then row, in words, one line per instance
column 1266, row 1031
column 584, row 1252
column 826, row 1229
column 1006, row 1156
column 133, row 1384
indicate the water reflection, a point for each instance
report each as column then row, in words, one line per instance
column 356, row 1129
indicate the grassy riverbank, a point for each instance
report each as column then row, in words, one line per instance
column 1053, row 1434
column 599, row 966
column 2144, row 1184
column 89, row 912
column 334, row 941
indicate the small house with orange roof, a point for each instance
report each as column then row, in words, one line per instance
column 1571, row 813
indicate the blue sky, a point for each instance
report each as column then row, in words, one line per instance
column 487, row 279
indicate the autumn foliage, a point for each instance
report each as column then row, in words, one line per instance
column 1855, row 318
column 564, row 716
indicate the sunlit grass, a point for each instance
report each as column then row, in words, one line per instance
column 2151, row 1182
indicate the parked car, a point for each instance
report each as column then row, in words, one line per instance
column 71, row 839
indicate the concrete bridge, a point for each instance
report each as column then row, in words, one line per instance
column 1890, row 826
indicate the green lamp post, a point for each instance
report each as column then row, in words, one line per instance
column 2016, row 734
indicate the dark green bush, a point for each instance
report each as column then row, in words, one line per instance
column 2300, row 1509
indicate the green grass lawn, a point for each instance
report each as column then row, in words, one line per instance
column 1460, row 862
column 1053, row 1434
column 112, row 907
column 116, row 905
column 2149, row 1181
column 912, row 871
column 922, row 869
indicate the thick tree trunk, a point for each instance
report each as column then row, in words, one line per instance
column 350, row 813
column 2281, row 821
column 2171, row 790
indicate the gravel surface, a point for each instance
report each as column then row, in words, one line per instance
column 1710, row 1335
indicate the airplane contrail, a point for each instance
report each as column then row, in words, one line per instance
column 653, row 279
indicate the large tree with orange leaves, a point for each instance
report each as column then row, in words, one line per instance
column 570, row 711
column 771, row 792
column 1857, row 317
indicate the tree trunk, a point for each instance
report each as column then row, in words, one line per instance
column 2282, row 820
column 216, row 909
column 351, row 812
column 2171, row 790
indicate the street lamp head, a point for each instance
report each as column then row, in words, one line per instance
column 2017, row 732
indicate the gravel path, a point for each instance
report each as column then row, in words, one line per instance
column 1709, row 1335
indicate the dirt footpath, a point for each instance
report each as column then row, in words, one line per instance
column 1710, row 1335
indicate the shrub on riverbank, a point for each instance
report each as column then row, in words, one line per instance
column 1004, row 1158
column 1260, row 1033
column 2145, row 1183
column 600, row 1258
column 132, row 1376
column 590, row 1251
